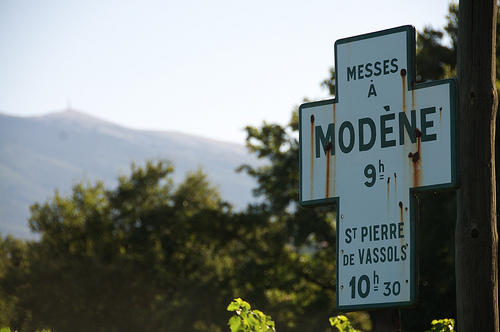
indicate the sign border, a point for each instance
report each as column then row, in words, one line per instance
column 414, row 211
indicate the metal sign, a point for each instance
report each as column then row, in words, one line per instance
column 367, row 152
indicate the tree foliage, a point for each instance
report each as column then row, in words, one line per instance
column 248, row 320
column 152, row 255
column 145, row 255
column 302, row 293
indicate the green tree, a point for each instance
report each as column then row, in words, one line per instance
column 146, row 255
column 13, row 257
column 150, row 255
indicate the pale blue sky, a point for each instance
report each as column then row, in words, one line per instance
column 207, row 68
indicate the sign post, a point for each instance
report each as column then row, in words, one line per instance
column 476, row 233
column 367, row 152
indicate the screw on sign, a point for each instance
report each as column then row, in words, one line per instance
column 367, row 152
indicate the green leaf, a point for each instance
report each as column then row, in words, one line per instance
column 443, row 325
column 245, row 305
column 252, row 321
column 259, row 314
column 343, row 318
column 233, row 306
column 234, row 323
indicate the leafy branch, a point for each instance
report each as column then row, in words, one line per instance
column 247, row 320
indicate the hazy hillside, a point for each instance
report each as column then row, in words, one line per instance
column 41, row 154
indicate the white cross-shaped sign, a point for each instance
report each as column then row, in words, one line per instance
column 367, row 152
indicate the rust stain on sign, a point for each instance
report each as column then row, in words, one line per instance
column 388, row 199
column 395, row 187
column 416, row 158
column 401, row 211
column 328, row 148
column 440, row 117
column 403, row 82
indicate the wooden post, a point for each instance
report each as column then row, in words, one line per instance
column 476, row 236
column 388, row 320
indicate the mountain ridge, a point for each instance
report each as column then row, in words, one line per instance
column 41, row 154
